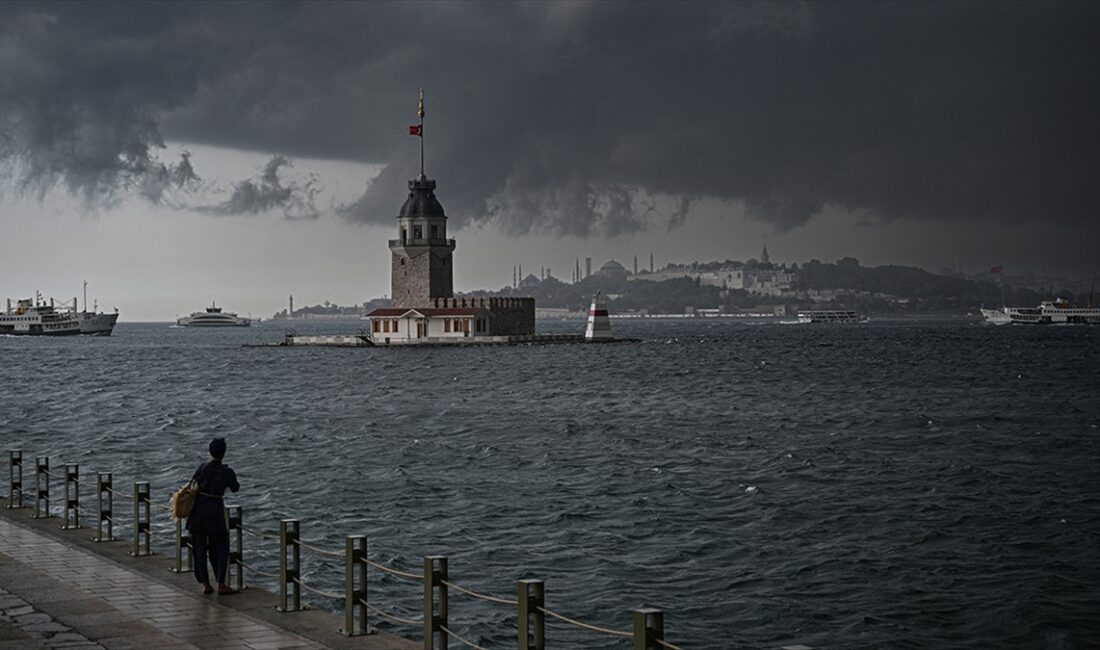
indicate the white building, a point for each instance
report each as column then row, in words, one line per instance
column 762, row 282
column 429, row 323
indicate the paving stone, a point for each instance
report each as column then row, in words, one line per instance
column 20, row 610
column 67, row 638
column 31, row 620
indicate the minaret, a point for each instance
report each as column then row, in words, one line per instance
column 422, row 264
column 764, row 258
column 635, row 264
column 651, row 261
column 290, row 314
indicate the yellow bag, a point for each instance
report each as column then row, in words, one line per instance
column 184, row 500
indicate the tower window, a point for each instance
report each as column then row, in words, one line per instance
column 418, row 232
column 435, row 232
column 403, row 237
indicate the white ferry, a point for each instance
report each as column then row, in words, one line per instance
column 36, row 318
column 1049, row 312
column 213, row 317
column 829, row 316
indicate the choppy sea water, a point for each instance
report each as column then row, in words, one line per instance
column 902, row 484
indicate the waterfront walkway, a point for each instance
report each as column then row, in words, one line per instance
column 58, row 589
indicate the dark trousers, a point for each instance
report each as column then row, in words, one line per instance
column 216, row 545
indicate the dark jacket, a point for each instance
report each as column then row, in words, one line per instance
column 214, row 479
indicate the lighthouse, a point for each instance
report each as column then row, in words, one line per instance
column 599, row 324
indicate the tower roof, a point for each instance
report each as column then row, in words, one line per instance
column 421, row 201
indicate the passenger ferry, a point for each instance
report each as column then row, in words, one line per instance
column 830, row 316
column 36, row 318
column 213, row 317
column 1049, row 312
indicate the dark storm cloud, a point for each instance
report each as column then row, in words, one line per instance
column 269, row 192
column 580, row 119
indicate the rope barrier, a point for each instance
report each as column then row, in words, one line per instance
column 385, row 569
column 381, row 567
column 485, row 597
column 87, row 484
column 119, row 494
column 586, row 626
column 327, row 594
column 257, row 533
column 391, row 617
column 460, row 639
column 259, row 572
column 316, row 549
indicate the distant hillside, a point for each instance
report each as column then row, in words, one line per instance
column 843, row 284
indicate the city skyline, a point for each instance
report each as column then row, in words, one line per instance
column 206, row 152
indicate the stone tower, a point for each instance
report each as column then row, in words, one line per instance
column 422, row 265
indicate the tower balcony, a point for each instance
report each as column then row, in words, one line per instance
column 450, row 243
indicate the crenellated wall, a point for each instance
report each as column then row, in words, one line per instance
column 507, row 316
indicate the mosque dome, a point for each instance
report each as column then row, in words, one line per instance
column 613, row 269
column 421, row 201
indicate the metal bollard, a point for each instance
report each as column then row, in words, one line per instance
column 649, row 628
column 72, row 497
column 15, row 485
column 234, row 520
column 105, row 506
column 355, row 571
column 142, row 529
column 42, row 487
column 435, row 571
column 184, row 542
column 531, row 628
column 290, row 563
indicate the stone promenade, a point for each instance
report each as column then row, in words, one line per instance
column 60, row 590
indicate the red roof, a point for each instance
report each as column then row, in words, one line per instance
column 427, row 311
column 387, row 312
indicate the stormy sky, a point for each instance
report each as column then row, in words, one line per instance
column 272, row 137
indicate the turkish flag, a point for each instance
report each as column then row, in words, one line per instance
column 997, row 269
column 417, row 129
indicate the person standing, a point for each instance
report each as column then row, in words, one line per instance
column 209, row 534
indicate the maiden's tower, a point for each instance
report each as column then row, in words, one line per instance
column 425, row 308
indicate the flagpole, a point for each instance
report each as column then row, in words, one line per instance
column 420, row 112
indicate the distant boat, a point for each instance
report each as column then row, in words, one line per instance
column 39, row 318
column 830, row 316
column 213, row 317
column 96, row 324
column 1049, row 312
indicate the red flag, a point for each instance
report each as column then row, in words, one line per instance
column 417, row 129
column 997, row 269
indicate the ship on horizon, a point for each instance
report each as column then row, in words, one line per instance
column 1049, row 312
column 213, row 317
column 38, row 318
